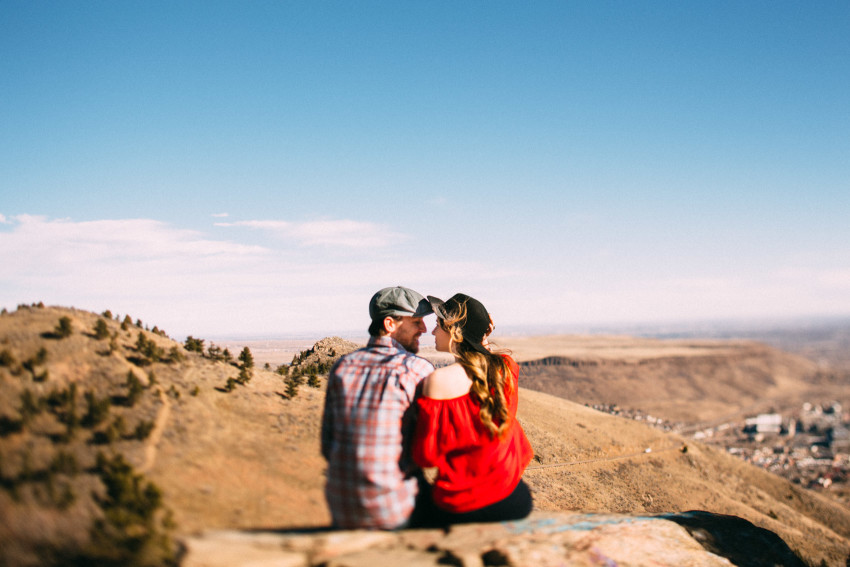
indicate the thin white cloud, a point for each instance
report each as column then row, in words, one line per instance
column 3, row 219
column 220, row 215
column 833, row 279
column 274, row 226
column 116, row 264
column 188, row 283
column 116, row 240
column 339, row 232
column 839, row 279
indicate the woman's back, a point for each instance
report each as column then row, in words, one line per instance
column 476, row 468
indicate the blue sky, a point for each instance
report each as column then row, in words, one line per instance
column 261, row 168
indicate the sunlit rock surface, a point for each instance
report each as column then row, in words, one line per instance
column 544, row 539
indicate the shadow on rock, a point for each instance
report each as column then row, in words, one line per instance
column 736, row 539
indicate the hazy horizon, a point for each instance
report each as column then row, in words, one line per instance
column 693, row 329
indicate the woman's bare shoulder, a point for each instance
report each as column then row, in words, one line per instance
column 446, row 383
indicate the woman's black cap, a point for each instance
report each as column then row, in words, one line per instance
column 474, row 328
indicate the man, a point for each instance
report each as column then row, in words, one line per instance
column 367, row 422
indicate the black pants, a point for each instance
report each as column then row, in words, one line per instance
column 515, row 506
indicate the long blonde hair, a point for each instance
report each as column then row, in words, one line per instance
column 490, row 374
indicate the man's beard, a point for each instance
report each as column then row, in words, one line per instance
column 412, row 345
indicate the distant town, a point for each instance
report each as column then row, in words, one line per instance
column 809, row 446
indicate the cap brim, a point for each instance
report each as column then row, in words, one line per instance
column 437, row 307
column 424, row 308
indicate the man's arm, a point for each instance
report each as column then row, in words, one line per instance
column 413, row 386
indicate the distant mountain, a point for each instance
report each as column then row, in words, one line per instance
column 118, row 443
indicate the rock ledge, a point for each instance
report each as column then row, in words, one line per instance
column 543, row 539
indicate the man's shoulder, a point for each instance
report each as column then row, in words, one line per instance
column 354, row 354
column 383, row 354
column 354, row 357
column 402, row 358
column 416, row 361
column 388, row 348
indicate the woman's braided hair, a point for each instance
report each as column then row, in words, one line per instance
column 490, row 375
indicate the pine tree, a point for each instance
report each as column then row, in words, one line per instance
column 64, row 463
column 30, row 405
column 143, row 430
column 148, row 348
column 127, row 532
column 141, row 343
column 71, row 419
column 113, row 342
column 213, row 352
column 40, row 357
column 6, row 358
column 244, row 375
column 96, row 410
column 292, row 384
column 194, row 345
column 134, row 388
column 115, row 430
column 64, row 328
column 246, row 358
column 101, row 331
column 174, row 355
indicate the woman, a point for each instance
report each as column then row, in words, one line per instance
column 466, row 425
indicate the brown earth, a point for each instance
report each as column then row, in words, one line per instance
column 250, row 458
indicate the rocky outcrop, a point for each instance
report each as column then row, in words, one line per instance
column 325, row 352
column 544, row 539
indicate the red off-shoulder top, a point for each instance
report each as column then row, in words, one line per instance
column 475, row 469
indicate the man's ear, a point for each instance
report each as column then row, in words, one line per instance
column 390, row 325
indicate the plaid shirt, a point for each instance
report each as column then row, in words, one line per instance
column 366, row 431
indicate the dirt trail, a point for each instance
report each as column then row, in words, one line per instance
column 156, row 434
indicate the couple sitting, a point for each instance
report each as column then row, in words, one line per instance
column 388, row 414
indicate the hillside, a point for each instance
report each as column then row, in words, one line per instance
column 679, row 380
column 588, row 461
column 195, row 456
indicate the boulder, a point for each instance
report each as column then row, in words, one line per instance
column 543, row 539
